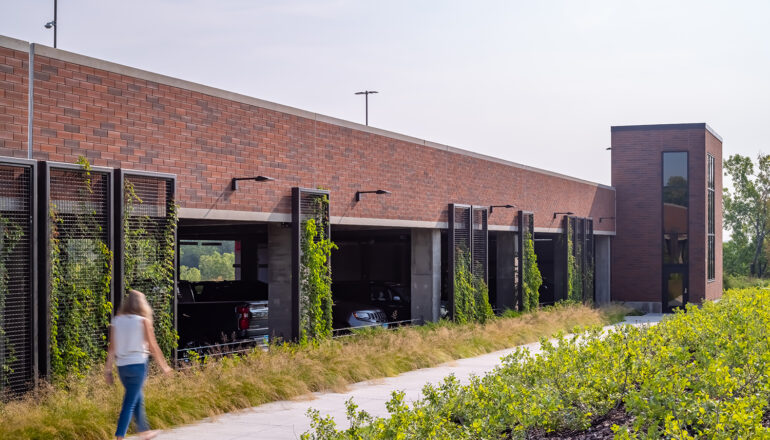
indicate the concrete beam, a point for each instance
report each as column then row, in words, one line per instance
column 279, row 281
column 426, row 274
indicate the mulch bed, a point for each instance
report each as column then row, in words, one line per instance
column 601, row 429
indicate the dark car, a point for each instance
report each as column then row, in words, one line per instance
column 214, row 312
column 393, row 298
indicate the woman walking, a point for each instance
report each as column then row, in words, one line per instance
column 132, row 339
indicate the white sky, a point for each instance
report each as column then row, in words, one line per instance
column 536, row 82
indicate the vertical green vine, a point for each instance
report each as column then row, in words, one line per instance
column 471, row 294
column 315, row 277
column 148, row 263
column 10, row 234
column 81, row 276
column 574, row 275
column 532, row 279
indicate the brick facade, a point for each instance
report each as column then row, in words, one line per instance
column 125, row 118
column 637, row 255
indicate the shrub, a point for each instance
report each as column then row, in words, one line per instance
column 703, row 373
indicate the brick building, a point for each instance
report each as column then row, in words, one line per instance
column 126, row 119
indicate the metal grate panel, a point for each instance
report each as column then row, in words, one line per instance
column 147, row 216
column 17, row 282
column 480, row 243
column 78, row 272
column 306, row 204
column 526, row 227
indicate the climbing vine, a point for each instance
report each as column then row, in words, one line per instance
column 471, row 295
column 81, row 276
column 574, row 275
column 315, row 277
column 532, row 279
column 148, row 262
column 10, row 234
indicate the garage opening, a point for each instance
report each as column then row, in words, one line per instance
column 371, row 271
column 222, row 297
column 546, row 248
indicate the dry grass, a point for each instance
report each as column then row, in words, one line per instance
column 87, row 408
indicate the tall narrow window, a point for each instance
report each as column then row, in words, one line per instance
column 711, row 235
column 675, row 208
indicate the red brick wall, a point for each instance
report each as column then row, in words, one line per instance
column 637, row 177
column 714, row 147
column 13, row 102
column 123, row 121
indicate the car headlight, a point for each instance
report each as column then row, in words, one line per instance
column 364, row 316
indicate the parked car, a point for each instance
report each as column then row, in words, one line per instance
column 350, row 314
column 213, row 312
column 393, row 298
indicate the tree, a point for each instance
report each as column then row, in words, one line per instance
column 217, row 267
column 746, row 212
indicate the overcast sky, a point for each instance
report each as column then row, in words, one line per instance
column 536, row 82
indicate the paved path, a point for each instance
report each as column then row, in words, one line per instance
column 287, row 419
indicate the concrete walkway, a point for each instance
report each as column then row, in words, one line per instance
column 288, row 420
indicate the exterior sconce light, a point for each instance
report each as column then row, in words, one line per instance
column 492, row 208
column 234, row 182
column 378, row 191
column 565, row 213
column 608, row 148
column 606, row 218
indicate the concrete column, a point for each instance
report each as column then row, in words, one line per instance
column 602, row 271
column 279, row 281
column 426, row 274
column 506, row 271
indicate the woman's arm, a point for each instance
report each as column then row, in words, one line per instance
column 149, row 336
column 110, row 357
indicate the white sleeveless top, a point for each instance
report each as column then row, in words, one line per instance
column 130, row 344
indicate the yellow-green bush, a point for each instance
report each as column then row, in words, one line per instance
column 703, row 373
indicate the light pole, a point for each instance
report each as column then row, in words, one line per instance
column 53, row 24
column 366, row 94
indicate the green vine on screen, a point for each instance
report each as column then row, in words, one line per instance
column 9, row 238
column 532, row 279
column 315, row 277
column 471, row 294
column 81, row 276
column 148, row 263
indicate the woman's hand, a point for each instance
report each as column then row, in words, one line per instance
column 108, row 377
column 166, row 369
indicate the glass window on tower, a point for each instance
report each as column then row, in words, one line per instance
column 675, row 208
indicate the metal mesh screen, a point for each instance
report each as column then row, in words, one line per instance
column 81, row 266
column 480, row 243
column 462, row 228
column 148, row 247
column 16, row 278
column 526, row 228
column 306, row 204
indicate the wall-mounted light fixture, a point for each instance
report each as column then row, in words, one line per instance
column 378, row 191
column 492, row 208
column 234, row 182
column 565, row 213
column 608, row 148
column 606, row 218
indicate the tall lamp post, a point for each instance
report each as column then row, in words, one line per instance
column 366, row 94
column 53, row 24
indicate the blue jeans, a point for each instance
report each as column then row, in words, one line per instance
column 132, row 376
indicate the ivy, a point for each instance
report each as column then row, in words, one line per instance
column 532, row 279
column 149, row 263
column 315, row 277
column 574, row 275
column 471, row 295
column 10, row 234
column 81, row 276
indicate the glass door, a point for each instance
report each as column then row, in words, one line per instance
column 674, row 288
